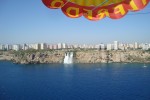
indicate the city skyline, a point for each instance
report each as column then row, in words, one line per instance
column 37, row 24
column 77, row 43
column 115, row 45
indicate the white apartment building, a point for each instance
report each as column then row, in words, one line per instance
column 145, row 46
column 43, row 46
column 91, row 46
column 9, row 47
column 5, row 47
column 70, row 46
column 50, row 46
column 102, row 46
column 25, row 47
column 121, row 46
column 116, row 44
column 55, row 46
column 131, row 46
column 64, row 46
column 60, row 46
column 34, row 46
column 16, row 47
column 97, row 46
column 85, row 46
column 76, row 46
column 136, row 45
column 109, row 46
column 2, row 47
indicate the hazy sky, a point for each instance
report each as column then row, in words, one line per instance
column 29, row 21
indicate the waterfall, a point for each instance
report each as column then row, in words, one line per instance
column 68, row 58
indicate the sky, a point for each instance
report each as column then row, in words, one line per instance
column 30, row 21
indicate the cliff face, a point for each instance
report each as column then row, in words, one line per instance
column 112, row 56
column 38, row 57
column 91, row 56
column 86, row 56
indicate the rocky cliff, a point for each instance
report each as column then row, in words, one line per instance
column 80, row 56
column 112, row 56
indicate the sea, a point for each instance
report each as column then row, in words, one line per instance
column 111, row 81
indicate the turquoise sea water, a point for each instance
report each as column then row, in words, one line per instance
column 114, row 81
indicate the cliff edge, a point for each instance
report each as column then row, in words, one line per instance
column 80, row 56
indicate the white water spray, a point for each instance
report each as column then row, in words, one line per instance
column 68, row 58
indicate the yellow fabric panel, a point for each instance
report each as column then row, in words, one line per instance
column 95, row 2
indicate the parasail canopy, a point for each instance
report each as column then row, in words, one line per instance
column 96, row 9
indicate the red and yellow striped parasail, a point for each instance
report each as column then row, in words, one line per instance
column 96, row 9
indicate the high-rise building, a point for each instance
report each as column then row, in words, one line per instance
column 2, row 47
column 50, row 47
column 25, row 47
column 116, row 43
column 59, row 45
column 55, row 46
column 16, row 47
column 136, row 45
column 109, row 47
column 9, row 47
column 34, row 46
column 43, row 46
column 64, row 46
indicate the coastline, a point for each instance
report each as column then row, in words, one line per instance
column 80, row 56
